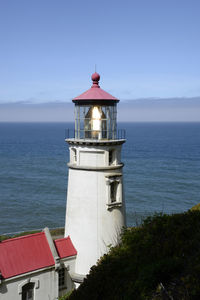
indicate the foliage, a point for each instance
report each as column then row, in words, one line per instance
column 57, row 232
column 3, row 238
column 158, row 260
column 25, row 233
column 65, row 297
column 196, row 207
column 6, row 237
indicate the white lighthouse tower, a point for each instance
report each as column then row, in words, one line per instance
column 95, row 211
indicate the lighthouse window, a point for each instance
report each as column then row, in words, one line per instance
column 113, row 191
column 111, row 157
column 74, row 155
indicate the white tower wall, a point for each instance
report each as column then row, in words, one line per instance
column 95, row 204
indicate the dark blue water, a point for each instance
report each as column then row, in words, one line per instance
column 161, row 173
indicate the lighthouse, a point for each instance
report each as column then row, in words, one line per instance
column 95, row 212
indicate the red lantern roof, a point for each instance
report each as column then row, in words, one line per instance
column 95, row 92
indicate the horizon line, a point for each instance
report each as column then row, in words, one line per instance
column 35, row 102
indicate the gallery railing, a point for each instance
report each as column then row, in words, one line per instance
column 96, row 135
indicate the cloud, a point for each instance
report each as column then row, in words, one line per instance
column 42, row 112
column 160, row 110
column 137, row 110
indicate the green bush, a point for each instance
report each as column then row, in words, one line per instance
column 65, row 297
column 6, row 237
column 158, row 260
column 3, row 238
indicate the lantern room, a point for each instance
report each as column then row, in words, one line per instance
column 95, row 113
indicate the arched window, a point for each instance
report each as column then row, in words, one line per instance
column 28, row 291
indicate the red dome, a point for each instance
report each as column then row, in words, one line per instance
column 95, row 77
column 95, row 93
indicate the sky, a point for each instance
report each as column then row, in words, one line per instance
column 143, row 50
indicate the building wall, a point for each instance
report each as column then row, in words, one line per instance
column 46, row 283
column 46, row 286
column 68, row 264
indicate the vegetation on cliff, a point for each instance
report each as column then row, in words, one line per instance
column 55, row 233
column 158, row 260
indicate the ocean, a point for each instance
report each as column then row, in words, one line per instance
column 161, row 172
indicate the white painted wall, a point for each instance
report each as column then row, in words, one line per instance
column 92, row 225
column 46, row 285
column 69, row 264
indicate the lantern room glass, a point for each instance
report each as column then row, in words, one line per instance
column 95, row 121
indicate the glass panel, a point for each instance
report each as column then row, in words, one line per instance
column 95, row 122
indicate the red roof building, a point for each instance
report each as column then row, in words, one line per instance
column 24, row 254
column 29, row 253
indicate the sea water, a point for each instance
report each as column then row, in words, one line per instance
column 161, row 172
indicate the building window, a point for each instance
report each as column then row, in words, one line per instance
column 28, row 291
column 114, row 189
column 62, row 279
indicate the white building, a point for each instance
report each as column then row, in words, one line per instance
column 34, row 267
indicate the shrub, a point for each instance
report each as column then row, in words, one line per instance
column 158, row 260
